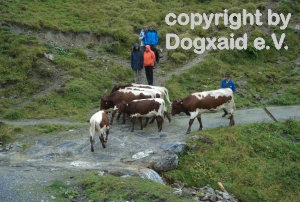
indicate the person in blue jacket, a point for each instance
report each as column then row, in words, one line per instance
column 137, row 60
column 227, row 83
column 151, row 38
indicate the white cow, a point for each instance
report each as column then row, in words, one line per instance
column 99, row 123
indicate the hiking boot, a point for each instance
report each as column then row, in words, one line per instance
column 225, row 113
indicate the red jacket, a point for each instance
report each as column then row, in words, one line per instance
column 149, row 56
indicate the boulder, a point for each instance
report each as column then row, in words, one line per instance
column 179, row 148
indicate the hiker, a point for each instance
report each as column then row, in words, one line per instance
column 137, row 60
column 142, row 38
column 151, row 38
column 227, row 83
column 149, row 58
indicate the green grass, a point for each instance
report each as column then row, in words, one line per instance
column 90, row 186
column 255, row 162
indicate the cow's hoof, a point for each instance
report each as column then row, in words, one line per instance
column 103, row 146
column 123, row 122
column 169, row 120
column 188, row 132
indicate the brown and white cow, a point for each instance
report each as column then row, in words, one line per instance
column 144, row 108
column 159, row 88
column 205, row 102
column 162, row 89
column 99, row 123
column 158, row 94
column 118, row 87
column 118, row 96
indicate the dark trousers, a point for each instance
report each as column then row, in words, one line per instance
column 153, row 48
column 149, row 74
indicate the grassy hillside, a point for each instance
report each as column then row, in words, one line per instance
column 76, row 82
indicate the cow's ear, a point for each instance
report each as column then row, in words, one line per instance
column 106, row 103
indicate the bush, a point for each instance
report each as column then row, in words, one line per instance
column 178, row 57
column 13, row 115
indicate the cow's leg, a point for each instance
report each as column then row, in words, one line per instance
column 112, row 116
column 102, row 140
column 124, row 118
column 200, row 122
column 133, row 122
column 152, row 120
column 92, row 144
column 231, row 122
column 118, row 117
column 107, row 133
column 190, row 124
column 160, row 120
column 146, row 122
column 168, row 116
column 140, row 118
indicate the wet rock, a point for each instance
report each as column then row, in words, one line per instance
column 66, row 145
column 204, row 194
column 49, row 56
column 152, row 175
column 163, row 161
column 166, row 163
column 179, row 148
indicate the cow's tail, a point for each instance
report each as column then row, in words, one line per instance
column 163, row 109
column 92, row 129
column 232, row 106
column 167, row 96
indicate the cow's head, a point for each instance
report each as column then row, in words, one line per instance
column 176, row 106
column 121, row 106
column 105, row 104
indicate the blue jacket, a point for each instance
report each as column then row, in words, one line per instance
column 230, row 85
column 151, row 37
column 137, row 58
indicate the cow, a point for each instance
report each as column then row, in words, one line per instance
column 205, row 102
column 159, row 88
column 118, row 87
column 118, row 96
column 158, row 94
column 99, row 123
column 143, row 108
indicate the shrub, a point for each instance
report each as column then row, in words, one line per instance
column 13, row 115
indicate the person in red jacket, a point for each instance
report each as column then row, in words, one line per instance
column 149, row 58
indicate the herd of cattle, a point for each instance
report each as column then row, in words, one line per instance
column 139, row 100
